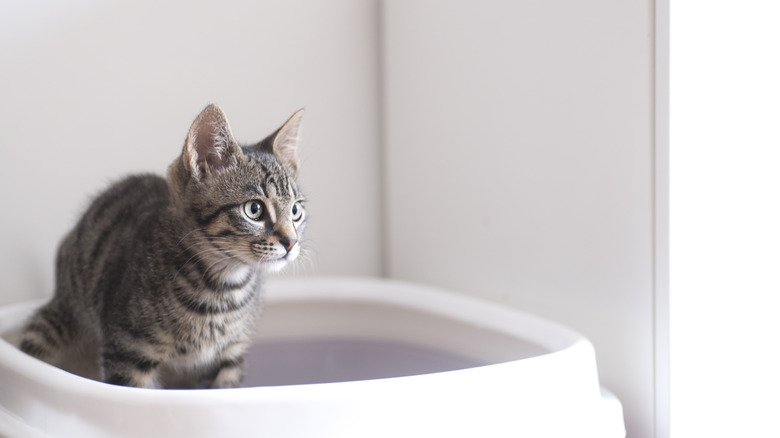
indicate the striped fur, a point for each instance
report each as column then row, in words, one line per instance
column 158, row 283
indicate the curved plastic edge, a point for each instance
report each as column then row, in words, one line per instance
column 559, row 339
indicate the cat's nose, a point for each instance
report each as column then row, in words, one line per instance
column 288, row 243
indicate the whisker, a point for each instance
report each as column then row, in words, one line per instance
column 197, row 255
column 188, row 234
column 203, row 238
column 306, row 262
column 224, row 260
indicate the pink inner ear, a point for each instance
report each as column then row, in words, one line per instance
column 209, row 147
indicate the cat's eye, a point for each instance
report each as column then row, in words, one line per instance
column 297, row 211
column 253, row 210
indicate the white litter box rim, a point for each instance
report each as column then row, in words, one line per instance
column 604, row 413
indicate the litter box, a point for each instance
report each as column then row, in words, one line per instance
column 342, row 357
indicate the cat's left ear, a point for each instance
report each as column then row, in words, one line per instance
column 283, row 143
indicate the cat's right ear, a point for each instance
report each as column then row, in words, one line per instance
column 210, row 146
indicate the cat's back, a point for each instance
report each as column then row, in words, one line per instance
column 126, row 202
column 117, row 217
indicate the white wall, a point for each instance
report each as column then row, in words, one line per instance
column 92, row 91
column 518, row 152
column 725, row 219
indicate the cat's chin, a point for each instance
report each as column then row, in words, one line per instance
column 270, row 267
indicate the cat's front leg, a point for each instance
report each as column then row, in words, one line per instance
column 127, row 366
column 228, row 370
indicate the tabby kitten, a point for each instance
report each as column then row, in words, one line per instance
column 158, row 284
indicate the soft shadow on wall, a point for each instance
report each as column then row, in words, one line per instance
column 519, row 159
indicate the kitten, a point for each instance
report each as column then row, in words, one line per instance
column 158, row 284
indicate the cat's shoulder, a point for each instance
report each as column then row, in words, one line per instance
column 140, row 183
column 133, row 189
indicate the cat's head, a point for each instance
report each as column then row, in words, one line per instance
column 243, row 199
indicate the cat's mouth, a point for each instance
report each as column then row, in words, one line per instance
column 276, row 264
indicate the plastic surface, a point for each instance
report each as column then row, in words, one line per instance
column 343, row 357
